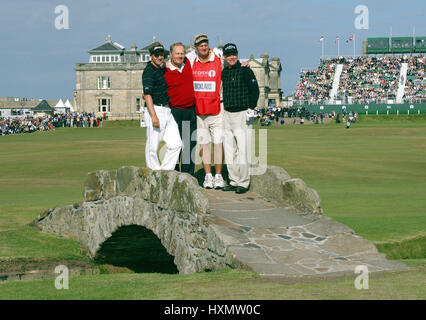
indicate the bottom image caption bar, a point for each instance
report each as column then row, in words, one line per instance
column 212, row 309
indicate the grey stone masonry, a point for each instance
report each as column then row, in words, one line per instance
column 276, row 229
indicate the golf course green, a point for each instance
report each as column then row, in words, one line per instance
column 371, row 177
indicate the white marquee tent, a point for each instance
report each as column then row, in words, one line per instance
column 69, row 105
column 61, row 107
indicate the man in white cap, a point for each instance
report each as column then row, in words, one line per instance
column 161, row 126
column 207, row 71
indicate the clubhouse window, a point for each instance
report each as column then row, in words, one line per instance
column 104, row 105
column 104, row 82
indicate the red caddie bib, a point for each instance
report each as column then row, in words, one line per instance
column 207, row 78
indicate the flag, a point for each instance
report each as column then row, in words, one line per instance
column 321, row 39
column 350, row 39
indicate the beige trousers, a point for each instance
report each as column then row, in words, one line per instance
column 237, row 146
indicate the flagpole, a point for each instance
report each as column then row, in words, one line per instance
column 414, row 34
column 338, row 47
column 354, row 40
column 322, row 48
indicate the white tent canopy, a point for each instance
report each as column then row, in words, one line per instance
column 60, row 105
column 69, row 105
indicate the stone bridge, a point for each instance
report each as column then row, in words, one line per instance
column 276, row 229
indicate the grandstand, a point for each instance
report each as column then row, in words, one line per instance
column 388, row 78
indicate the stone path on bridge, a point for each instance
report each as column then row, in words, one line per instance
column 280, row 242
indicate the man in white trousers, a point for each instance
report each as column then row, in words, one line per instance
column 161, row 126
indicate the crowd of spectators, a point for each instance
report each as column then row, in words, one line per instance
column 17, row 125
column 76, row 120
column 370, row 79
column 315, row 85
column 366, row 79
column 277, row 115
column 416, row 80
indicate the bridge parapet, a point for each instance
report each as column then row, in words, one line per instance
column 167, row 189
column 277, row 186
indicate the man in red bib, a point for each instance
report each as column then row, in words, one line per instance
column 207, row 73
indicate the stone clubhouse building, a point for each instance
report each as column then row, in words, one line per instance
column 111, row 82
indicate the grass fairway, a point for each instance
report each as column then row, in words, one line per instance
column 47, row 169
column 370, row 177
column 219, row 285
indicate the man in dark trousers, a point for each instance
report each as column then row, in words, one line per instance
column 240, row 95
column 180, row 87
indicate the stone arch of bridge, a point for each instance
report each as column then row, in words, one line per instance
column 136, row 248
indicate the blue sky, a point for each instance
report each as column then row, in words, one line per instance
column 38, row 61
